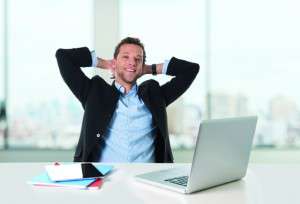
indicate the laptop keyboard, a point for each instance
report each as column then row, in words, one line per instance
column 182, row 180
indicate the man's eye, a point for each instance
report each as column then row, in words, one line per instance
column 126, row 57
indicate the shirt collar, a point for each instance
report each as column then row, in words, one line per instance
column 133, row 90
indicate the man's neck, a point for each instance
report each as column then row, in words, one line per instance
column 127, row 86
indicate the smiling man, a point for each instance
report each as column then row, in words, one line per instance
column 123, row 121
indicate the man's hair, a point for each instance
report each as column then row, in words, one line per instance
column 130, row 40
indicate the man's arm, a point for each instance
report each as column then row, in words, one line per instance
column 148, row 70
column 69, row 63
column 184, row 73
column 108, row 65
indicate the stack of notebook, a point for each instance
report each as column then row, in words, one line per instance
column 67, row 177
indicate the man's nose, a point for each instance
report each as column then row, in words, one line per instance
column 132, row 62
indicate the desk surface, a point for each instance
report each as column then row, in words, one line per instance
column 262, row 184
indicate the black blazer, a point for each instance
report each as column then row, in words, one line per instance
column 99, row 100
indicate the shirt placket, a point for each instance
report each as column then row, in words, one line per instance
column 127, row 125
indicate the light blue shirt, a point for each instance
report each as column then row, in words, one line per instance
column 131, row 133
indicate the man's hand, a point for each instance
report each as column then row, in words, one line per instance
column 108, row 65
column 105, row 64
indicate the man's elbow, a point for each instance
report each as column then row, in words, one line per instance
column 59, row 53
column 196, row 68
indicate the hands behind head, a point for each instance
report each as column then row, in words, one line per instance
column 108, row 65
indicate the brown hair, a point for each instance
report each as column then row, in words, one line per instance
column 130, row 40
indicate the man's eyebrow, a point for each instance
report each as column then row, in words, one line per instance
column 124, row 52
column 128, row 53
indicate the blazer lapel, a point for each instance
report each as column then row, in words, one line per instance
column 143, row 93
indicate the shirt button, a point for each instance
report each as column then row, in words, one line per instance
column 98, row 135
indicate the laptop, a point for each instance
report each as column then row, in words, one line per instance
column 221, row 156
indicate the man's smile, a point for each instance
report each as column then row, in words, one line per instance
column 130, row 69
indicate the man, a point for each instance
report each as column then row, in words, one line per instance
column 124, row 122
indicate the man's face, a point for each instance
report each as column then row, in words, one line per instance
column 129, row 63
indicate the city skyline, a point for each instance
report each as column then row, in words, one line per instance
column 55, row 121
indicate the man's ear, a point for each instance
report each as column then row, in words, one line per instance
column 114, row 63
column 113, row 66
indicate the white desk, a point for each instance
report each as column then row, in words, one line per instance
column 263, row 184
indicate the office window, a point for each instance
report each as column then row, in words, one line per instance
column 42, row 112
column 252, row 64
column 1, row 71
column 255, row 66
column 171, row 28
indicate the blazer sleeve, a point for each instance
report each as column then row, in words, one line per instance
column 69, row 63
column 184, row 73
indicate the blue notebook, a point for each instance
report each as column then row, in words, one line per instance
column 44, row 180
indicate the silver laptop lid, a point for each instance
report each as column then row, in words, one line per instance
column 222, row 152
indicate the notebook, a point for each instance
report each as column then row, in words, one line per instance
column 90, row 183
